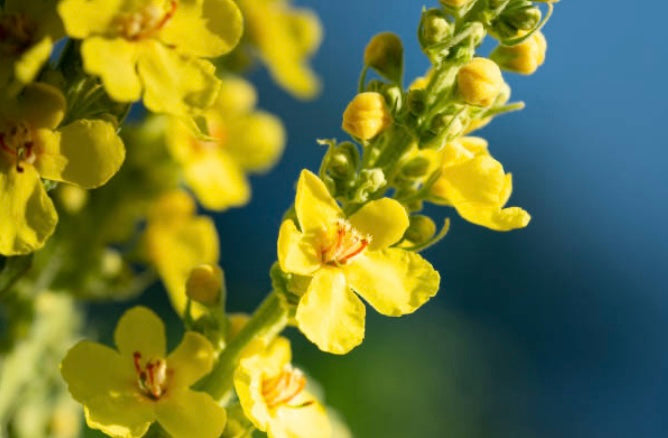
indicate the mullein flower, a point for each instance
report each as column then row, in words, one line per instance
column 479, row 82
column 342, row 254
column 85, row 153
column 125, row 390
column 274, row 396
column 176, row 241
column 154, row 48
column 242, row 140
column 366, row 116
column 28, row 29
column 475, row 184
column 285, row 38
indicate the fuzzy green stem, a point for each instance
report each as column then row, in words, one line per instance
column 267, row 322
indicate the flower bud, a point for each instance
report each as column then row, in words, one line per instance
column 516, row 20
column 420, row 230
column 523, row 58
column 449, row 125
column 341, row 160
column 366, row 116
column 416, row 168
column 479, row 82
column 416, row 101
column 205, row 284
column 455, row 3
column 524, row 18
column 434, row 28
column 385, row 53
column 370, row 181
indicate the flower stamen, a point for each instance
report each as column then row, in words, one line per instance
column 146, row 22
column 151, row 378
column 284, row 388
column 17, row 142
column 347, row 244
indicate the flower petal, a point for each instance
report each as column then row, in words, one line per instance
column 394, row 281
column 257, row 141
column 295, row 253
column 191, row 360
column 115, row 61
column 309, row 420
column 91, row 370
column 174, row 84
column 190, row 414
column 85, row 17
column 494, row 218
column 314, row 205
column 104, row 382
column 141, row 330
column 385, row 220
column 330, row 315
column 88, row 154
column 42, row 105
column 480, row 180
column 27, row 217
column 176, row 248
column 204, row 28
column 284, row 39
column 217, row 181
column 32, row 60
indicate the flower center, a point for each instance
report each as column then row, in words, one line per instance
column 284, row 388
column 218, row 135
column 152, row 376
column 342, row 243
column 16, row 34
column 145, row 22
column 16, row 141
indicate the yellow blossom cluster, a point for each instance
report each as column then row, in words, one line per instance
column 351, row 238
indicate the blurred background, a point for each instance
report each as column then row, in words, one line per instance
column 556, row 330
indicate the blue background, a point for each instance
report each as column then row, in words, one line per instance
column 556, row 330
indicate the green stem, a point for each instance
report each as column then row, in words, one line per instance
column 267, row 322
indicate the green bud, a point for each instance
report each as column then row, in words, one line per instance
column 416, row 101
column 375, row 85
column 393, row 96
column 371, row 180
column 342, row 160
column 525, row 18
column 385, row 54
column 434, row 28
column 449, row 125
column 420, row 230
column 415, row 168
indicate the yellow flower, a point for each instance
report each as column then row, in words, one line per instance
column 125, row 390
column 242, row 140
column 153, row 47
column 366, row 116
column 177, row 241
column 475, row 184
column 274, row 397
column 285, row 38
column 28, row 29
column 479, row 82
column 32, row 146
column 355, row 253
column 523, row 58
